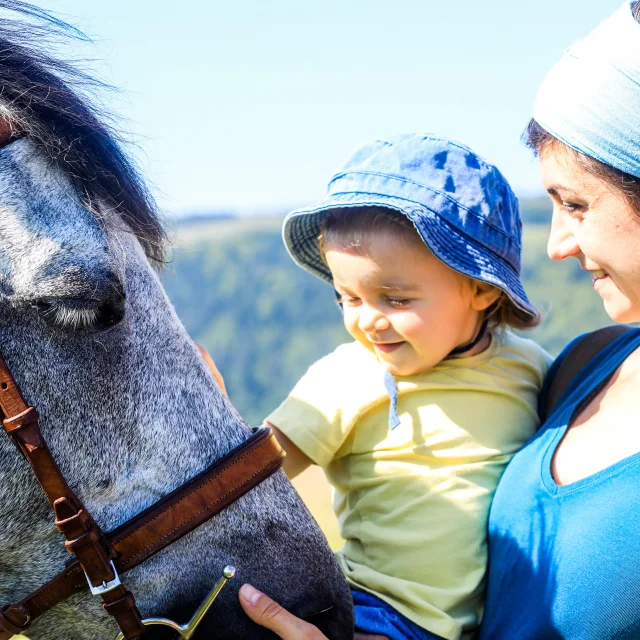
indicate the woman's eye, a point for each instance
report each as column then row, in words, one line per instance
column 571, row 207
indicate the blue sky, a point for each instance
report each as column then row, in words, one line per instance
column 250, row 106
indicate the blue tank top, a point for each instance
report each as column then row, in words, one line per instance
column 564, row 561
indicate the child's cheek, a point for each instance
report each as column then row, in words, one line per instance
column 351, row 325
column 405, row 322
column 350, row 321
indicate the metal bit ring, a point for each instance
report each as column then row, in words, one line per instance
column 186, row 631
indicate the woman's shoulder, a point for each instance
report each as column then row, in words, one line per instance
column 593, row 350
column 590, row 356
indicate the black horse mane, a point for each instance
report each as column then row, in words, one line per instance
column 37, row 98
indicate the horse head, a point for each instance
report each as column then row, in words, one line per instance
column 127, row 406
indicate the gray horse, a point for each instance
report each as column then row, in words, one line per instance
column 127, row 405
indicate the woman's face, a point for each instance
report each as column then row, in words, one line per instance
column 594, row 223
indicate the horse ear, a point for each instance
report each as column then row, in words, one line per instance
column 208, row 360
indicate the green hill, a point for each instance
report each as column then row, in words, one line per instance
column 264, row 320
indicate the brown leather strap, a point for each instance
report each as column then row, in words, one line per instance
column 173, row 516
column 198, row 500
column 13, row 619
column 575, row 360
column 85, row 539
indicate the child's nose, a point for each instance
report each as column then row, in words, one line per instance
column 371, row 320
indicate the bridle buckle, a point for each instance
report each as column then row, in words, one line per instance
column 105, row 587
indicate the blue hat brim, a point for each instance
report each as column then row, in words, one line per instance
column 457, row 250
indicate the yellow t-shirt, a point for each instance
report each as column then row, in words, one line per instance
column 413, row 502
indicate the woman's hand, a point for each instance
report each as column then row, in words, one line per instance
column 208, row 360
column 267, row 613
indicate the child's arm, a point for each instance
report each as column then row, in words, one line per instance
column 296, row 461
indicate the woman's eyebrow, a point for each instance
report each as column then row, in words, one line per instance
column 554, row 188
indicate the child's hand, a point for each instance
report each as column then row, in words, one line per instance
column 269, row 614
column 212, row 367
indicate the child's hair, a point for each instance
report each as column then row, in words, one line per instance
column 353, row 229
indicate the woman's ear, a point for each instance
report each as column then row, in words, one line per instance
column 483, row 295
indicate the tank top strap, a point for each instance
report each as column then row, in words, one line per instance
column 600, row 368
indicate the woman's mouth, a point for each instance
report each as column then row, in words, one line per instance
column 599, row 273
column 599, row 277
column 387, row 347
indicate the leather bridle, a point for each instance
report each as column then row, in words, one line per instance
column 101, row 557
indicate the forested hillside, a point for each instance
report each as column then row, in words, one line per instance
column 265, row 320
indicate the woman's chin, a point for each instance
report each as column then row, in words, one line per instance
column 622, row 312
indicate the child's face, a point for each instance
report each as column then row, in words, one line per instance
column 405, row 305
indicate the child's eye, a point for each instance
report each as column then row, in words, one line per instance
column 348, row 300
column 398, row 302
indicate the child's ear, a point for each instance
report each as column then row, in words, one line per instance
column 483, row 295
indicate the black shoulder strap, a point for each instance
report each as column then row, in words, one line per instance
column 580, row 353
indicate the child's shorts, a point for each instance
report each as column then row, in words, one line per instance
column 372, row 615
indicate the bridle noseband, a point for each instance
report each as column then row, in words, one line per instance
column 101, row 557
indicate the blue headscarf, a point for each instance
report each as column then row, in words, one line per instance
column 590, row 100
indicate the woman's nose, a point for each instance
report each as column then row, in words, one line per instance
column 562, row 242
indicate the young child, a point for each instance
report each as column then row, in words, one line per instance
column 415, row 421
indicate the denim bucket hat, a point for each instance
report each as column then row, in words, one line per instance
column 462, row 207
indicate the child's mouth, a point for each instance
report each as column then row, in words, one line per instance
column 387, row 347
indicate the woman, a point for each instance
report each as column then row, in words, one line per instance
column 564, row 525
